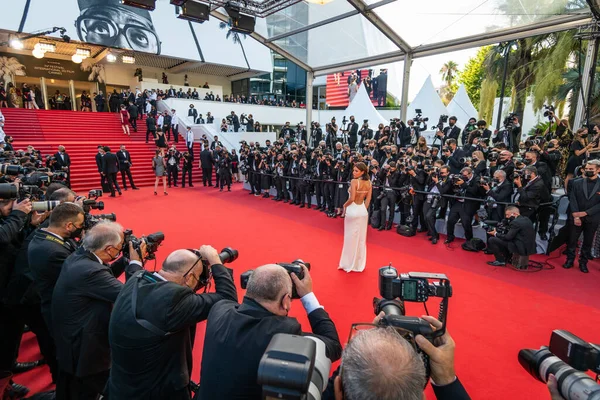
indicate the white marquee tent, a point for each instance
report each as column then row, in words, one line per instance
column 428, row 100
column 461, row 107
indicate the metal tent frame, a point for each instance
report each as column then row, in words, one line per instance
column 404, row 52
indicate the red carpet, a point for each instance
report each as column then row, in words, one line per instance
column 493, row 314
column 81, row 133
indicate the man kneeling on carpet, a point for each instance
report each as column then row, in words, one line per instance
column 151, row 339
column 517, row 238
column 237, row 335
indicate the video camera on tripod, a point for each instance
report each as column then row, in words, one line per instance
column 441, row 121
column 418, row 119
column 418, row 287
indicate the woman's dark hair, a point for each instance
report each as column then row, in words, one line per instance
column 157, row 152
column 362, row 167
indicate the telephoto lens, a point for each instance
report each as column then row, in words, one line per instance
column 7, row 169
column 43, row 206
column 228, row 255
column 8, row 191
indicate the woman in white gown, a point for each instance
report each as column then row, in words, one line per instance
column 354, row 253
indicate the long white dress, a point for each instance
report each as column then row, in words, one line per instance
column 354, row 253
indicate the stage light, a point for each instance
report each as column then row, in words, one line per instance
column 145, row 4
column 16, row 44
column 76, row 58
column 110, row 57
column 243, row 24
column 193, row 11
column 83, row 53
column 37, row 53
column 47, row 46
column 128, row 60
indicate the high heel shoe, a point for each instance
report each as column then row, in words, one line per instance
column 166, row 194
column 155, row 193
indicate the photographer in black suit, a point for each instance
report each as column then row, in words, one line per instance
column 99, row 157
column 83, row 297
column 352, row 133
column 462, row 209
column 532, row 192
column 235, row 121
column 449, row 132
column 188, row 165
column 225, row 374
column 173, row 160
column 110, row 167
column 63, row 163
column 373, row 353
column 418, row 180
column 153, row 324
column 501, row 191
column 206, row 163
column 390, row 179
column 365, row 134
column 519, row 238
column 584, row 201
column 49, row 248
column 125, row 167
column 451, row 155
column 438, row 185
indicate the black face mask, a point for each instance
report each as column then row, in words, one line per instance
column 550, row 145
column 465, row 178
column 443, row 177
column 372, row 147
column 76, row 233
column 496, row 180
column 590, row 174
column 511, row 218
column 527, row 161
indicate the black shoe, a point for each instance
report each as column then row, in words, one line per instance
column 388, row 226
column 135, row 188
column 251, row 193
column 112, row 195
column 169, row 186
column 221, row 190
column 430, row 238
column 229, row 189
column 449, row 240
column 20, row 367
column 16, row 391
column 568, row 264
column 120, row 193
column 486, row 251
column 583, row 267
column 381, row 227
column 125, row 189
column 286, row 201
column 543, row 236
column 301, row 206
column 204, row 184
column 422, row 230
column 496, row 263
column 275, row 198
column 434, row 240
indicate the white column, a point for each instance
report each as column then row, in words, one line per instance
column 44, row 92
column 310, row 77
column 405, row 85
column 72, row 94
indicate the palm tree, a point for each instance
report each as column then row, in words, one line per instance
column 449, row 71
column 235, row 37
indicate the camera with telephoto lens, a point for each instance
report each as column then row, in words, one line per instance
column 493, row 156
column 89, row 220
column 294, row 367
column 9, row 169
column 568, row 358
column 295, row 267
column 226, row 255
column 418, row 119
column 441, row 121
column 95, row 193
column 500, row 227
column 509, row 120
column 486, row 180
column 418, row 287
column 152, row 241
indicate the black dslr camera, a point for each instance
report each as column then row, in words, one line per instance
column 441, row 121
column 90, row 220
column 152, row 240
column 568, row 357
column 412, row 287
column 549, row 112
column 293, row 267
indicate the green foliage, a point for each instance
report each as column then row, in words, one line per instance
column 449, row 72
column 473, row 74
column 543, row 125
column 489, row 87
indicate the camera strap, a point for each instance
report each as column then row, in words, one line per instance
column 134, row 294
column 67, row 244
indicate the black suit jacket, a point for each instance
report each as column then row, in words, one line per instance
column 46, row 254
column 147, row 364
column 585, row 197
column 353, row 130
column 62, row 163
column 236, row 338
column 99, row 158
column 454, row 161
column 110, row 164
column 532, row 195
column 81, row 304
column 503, row 194
column 206, row 159
column 124, row 159
column 520, row 236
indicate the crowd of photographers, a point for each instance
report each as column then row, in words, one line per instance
column 468, row 176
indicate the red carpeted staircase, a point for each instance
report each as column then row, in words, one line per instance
column 81, row 133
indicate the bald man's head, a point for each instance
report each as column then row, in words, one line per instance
column 269, row 283
column 179, row 262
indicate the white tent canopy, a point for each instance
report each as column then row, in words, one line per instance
column 428, row 100
column 461, row 107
